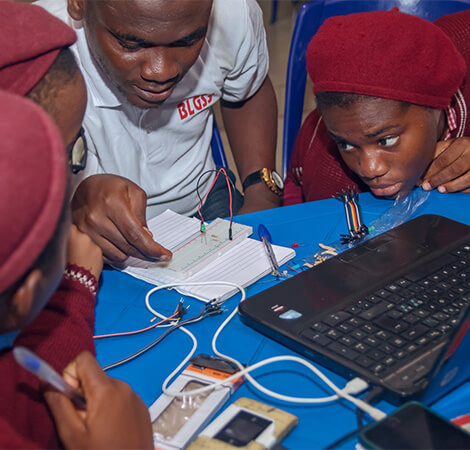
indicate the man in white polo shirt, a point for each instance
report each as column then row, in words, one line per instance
column 154, row 69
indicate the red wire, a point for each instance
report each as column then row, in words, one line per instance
column 127, row 333
column 222, row 170
column 291, row 268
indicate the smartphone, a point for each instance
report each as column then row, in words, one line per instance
column 413, row 426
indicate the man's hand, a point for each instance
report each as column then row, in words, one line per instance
column 111, row 210
column 115, row 416
column 450, row 169
column 258, row 197
column 83, row 252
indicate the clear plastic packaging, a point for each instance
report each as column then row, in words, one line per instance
column 401, row 211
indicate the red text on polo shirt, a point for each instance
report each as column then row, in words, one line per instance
column 194, row 104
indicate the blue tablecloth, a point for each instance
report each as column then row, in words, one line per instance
column 121, row 308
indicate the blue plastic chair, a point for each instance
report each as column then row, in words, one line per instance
column 218, row 152
column 311, row 15
column 274, row 6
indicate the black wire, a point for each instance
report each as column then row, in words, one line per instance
column 372, row 395
column 342, row 439
column 210, row 171
column 209, row 309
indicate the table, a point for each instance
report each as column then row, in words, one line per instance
column 121, row 307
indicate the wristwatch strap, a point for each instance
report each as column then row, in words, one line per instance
column 271, row 178
column 251, row 179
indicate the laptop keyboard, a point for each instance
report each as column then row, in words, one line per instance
column 379, row 331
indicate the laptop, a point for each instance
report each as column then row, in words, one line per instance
column 394, row 310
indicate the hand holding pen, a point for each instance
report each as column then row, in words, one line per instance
column 115, row 417
column 27, row 359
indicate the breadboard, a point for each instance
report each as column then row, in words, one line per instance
column 200, row 249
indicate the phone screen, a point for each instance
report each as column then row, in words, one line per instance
column 242, row 429
column 415, row 427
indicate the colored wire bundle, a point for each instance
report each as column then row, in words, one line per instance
column 230, row 186
column 353, row 217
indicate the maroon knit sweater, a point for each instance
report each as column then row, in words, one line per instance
column 62, row 330
column 317, row 170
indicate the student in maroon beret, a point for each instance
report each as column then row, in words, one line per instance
column 392, row 93
column 37, row 240
column 36, row 62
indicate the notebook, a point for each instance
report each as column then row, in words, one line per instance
column 242, row 260
column 387, row 310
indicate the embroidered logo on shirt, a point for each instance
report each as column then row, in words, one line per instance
column 194, row 104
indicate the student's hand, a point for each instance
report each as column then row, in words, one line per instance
column 259, row 197
column 111, row 210
column 115, row 417
column 83, row 252
column 450, row 169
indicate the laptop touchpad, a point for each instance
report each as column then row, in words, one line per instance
column 389, row 257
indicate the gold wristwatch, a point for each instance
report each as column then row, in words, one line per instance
column 270, row 177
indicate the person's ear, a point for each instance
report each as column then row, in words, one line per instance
column 76, row 9
column 22, row 301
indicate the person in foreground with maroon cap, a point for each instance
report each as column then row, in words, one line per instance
column 392, row 97
column 36, row 237
column 36, row 62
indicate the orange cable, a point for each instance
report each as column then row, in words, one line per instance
column 127, row 333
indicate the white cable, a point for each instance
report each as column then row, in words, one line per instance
column 373, row 412
column 354, row 386
column 161, row 316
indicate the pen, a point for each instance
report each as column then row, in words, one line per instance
column 264, row 235
column 27, row 359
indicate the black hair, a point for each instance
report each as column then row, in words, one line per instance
column 328, row 99
column 62, row 71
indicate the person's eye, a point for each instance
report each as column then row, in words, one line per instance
column 344, row 146
column 185, row 42
column 388, row 141
column 130, row 46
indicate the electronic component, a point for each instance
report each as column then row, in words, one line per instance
column 176, row 420
column 353, row 217
column 246, row 423
column 201, row 248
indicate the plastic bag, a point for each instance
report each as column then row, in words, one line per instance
column 401, row 211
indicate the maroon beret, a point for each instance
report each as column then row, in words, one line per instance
column 386, row 54
column 31, row 40
column 32, row 184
